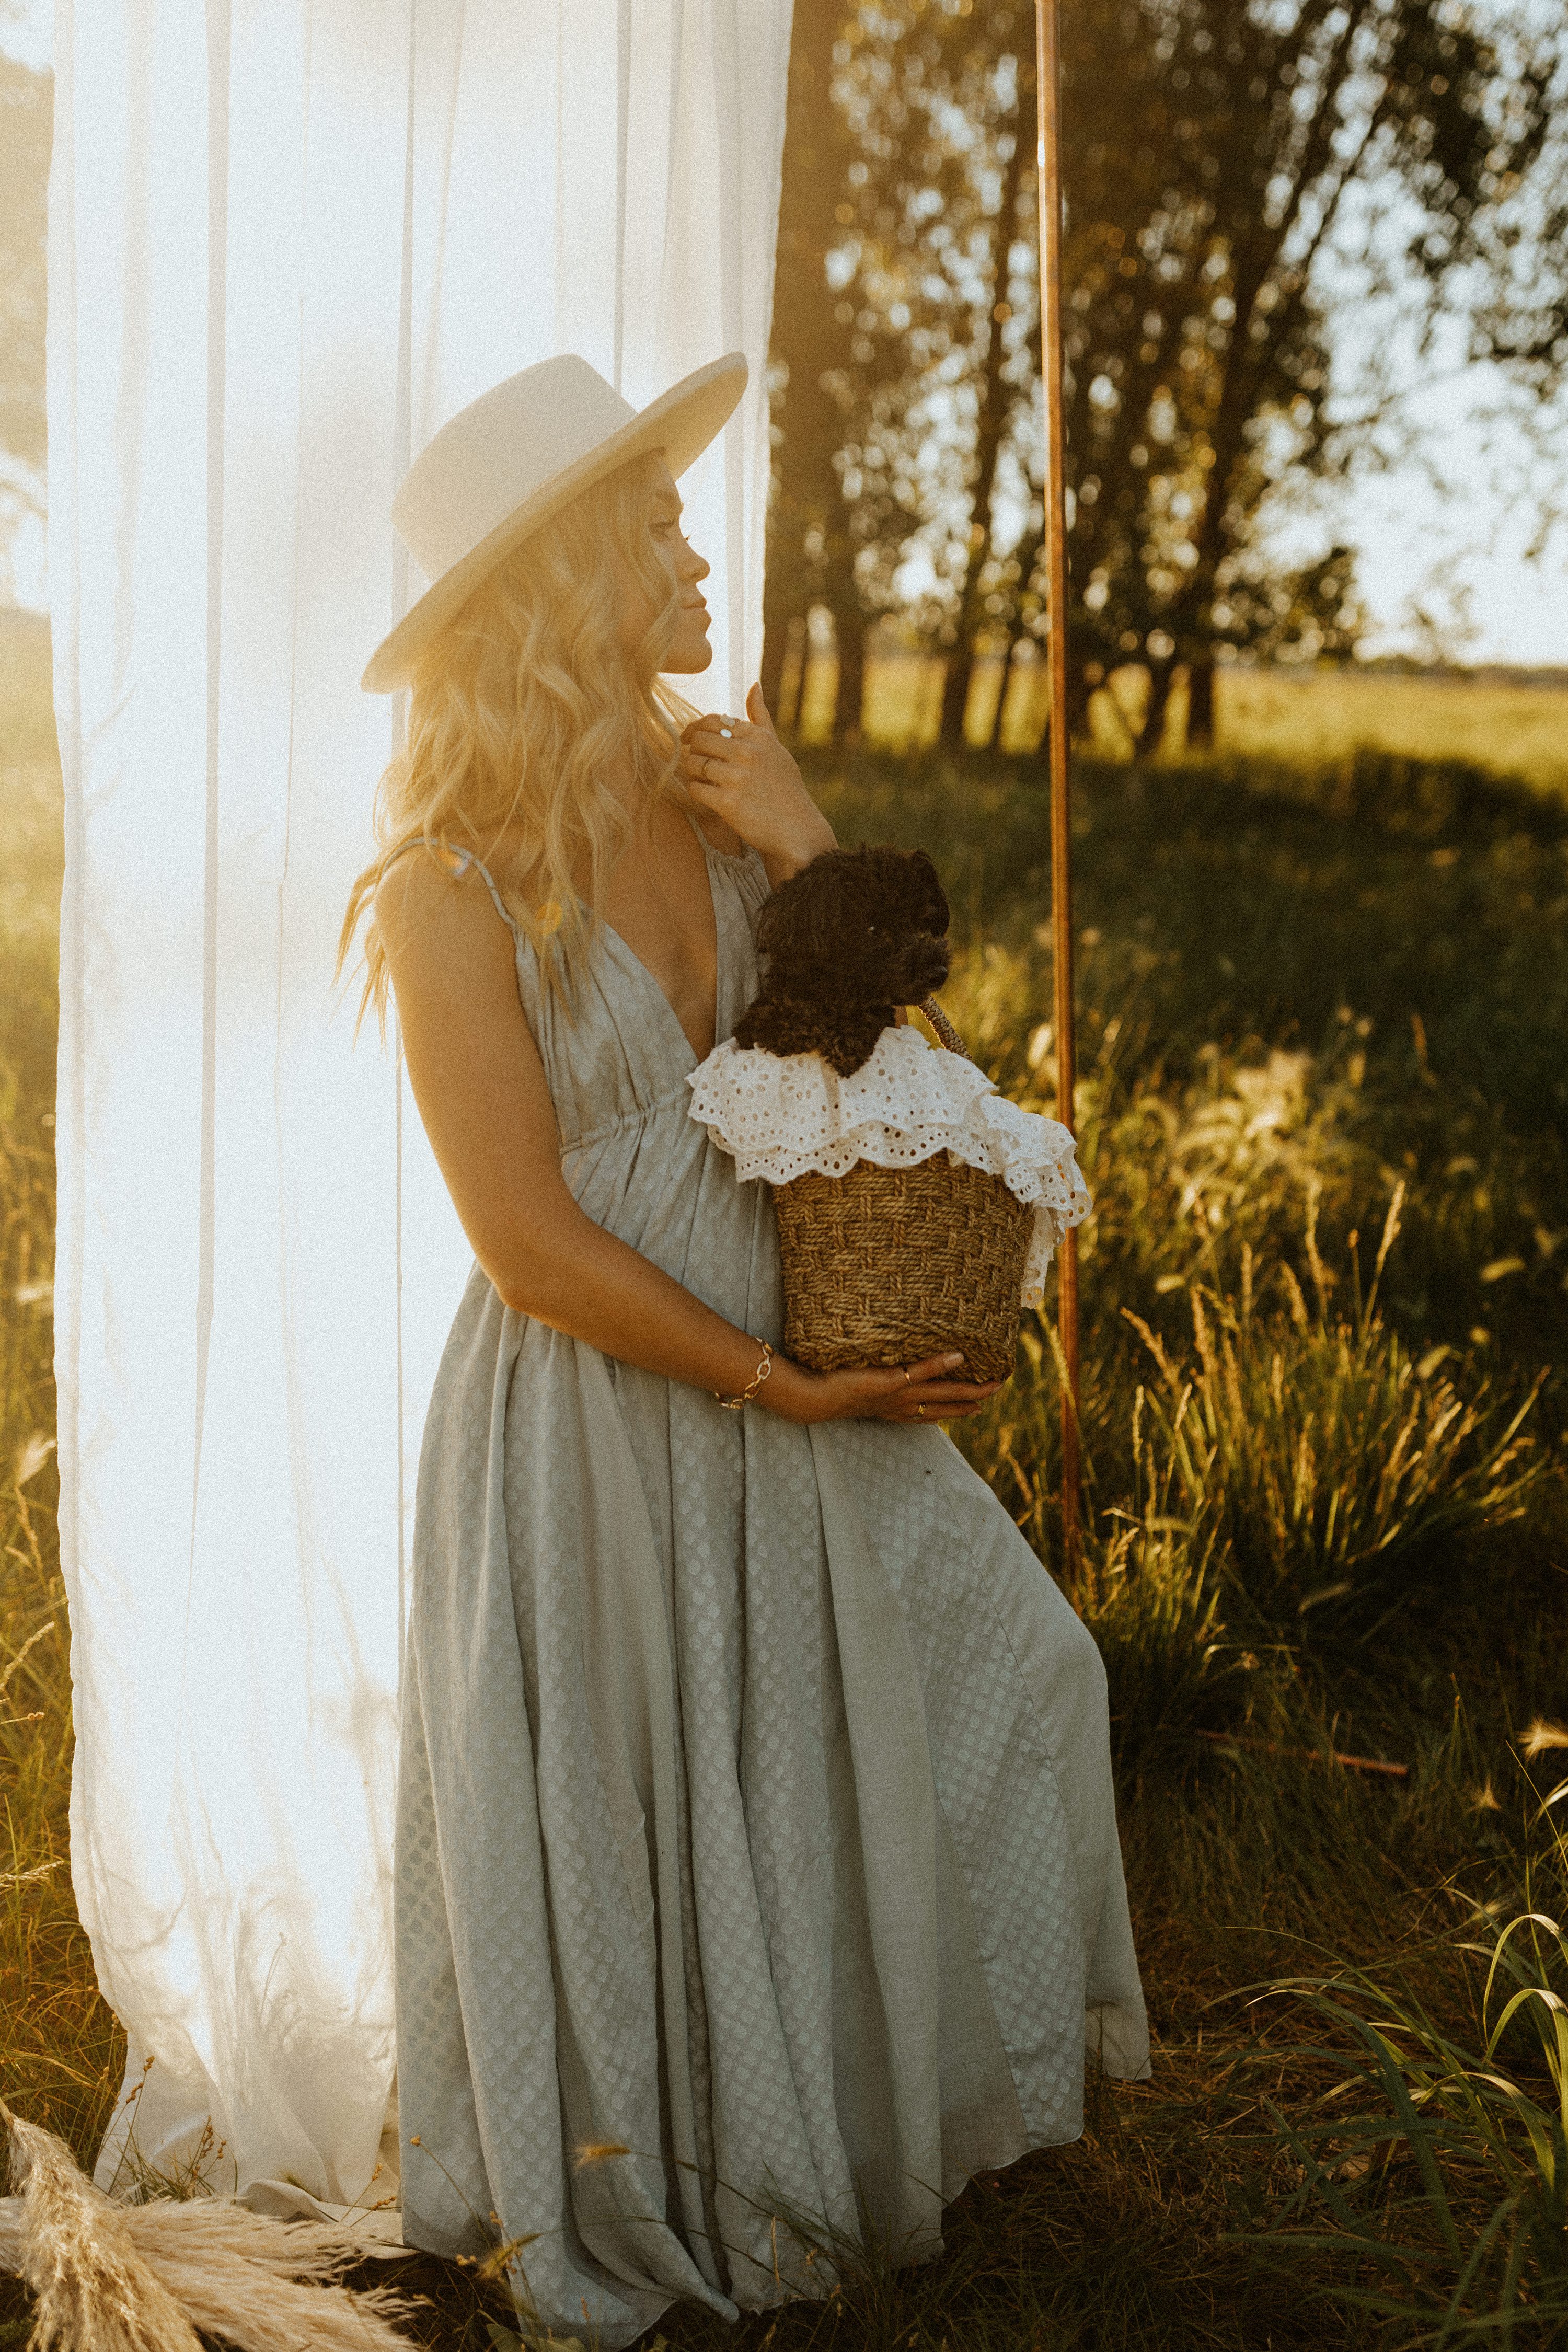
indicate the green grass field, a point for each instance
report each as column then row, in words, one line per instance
column 1323, row 1104
column 1311, row 717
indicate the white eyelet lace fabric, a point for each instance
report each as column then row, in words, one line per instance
column 780, row 1115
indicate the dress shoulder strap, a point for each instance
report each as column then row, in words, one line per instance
column 459, row 861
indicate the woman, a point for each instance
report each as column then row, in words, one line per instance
column 757, row 1873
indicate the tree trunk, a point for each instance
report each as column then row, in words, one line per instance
column 955, row 694
column 775, row 645
column 792, row 684
column 807, row 520
column 1200, row 705
column 1078, row 693
column 991, row 422
column 992, row 735
column 849, row 628
column 1161, row 675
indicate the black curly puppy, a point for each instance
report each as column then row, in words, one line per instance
column 853, row 934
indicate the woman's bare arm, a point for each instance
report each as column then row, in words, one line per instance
column 481, row 1091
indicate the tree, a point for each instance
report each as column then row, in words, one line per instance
column 945, row 259
column 1229, row 168
column 809, row 558
column 887, row 281
column 995, row 404
column 1219, row 155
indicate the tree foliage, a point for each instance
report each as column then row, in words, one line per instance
column 1235, row 171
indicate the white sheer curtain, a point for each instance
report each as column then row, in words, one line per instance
column 287, row 239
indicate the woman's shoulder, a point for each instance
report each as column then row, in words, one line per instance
column 429, row 893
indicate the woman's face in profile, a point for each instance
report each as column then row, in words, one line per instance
column 688, row 649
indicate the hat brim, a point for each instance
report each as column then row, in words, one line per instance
column 681, row 422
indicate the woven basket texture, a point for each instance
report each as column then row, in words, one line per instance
column 889, row 1266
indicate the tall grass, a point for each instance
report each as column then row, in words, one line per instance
column 1431, row 2163
column 1331, row 1467
column 60, row 2049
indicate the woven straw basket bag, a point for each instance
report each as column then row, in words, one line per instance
column 890, row 1265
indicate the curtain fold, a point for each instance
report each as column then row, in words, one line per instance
column 289, row 238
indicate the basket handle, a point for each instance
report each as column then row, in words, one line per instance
column 944, row 1028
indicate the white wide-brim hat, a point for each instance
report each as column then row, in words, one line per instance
column 515, row 457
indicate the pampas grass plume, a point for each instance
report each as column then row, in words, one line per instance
column 92, row 2290
column 144, row 2278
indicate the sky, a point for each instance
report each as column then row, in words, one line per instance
column 1415, row 547
column 1446, row 531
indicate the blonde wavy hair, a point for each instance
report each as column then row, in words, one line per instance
column 520, row 708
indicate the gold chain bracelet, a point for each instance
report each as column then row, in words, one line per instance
column 733, row 1403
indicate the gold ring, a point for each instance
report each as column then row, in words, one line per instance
column 920, row 1413
column 908, row 1383
column 706, row 765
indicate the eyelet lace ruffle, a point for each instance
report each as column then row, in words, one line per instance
column 781, row 1115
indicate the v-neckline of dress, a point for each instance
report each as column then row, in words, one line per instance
column 709, row 854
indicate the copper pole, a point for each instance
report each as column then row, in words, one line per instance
column 1049, row 185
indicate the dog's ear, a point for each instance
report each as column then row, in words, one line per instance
column 931, row 899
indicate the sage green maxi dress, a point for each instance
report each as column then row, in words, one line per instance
column 754, row 1811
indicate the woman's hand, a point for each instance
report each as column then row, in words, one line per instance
column 926, row 1392
column 743, row 774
